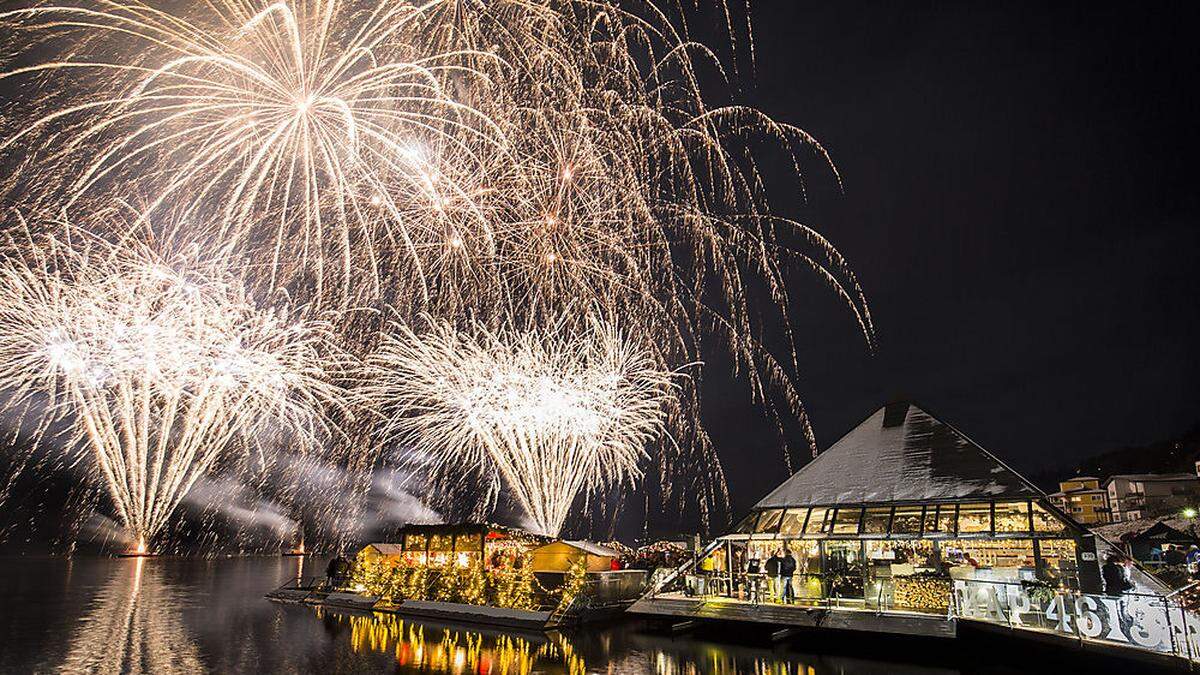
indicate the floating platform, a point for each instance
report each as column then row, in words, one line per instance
column 686, row 612
column 474, row 614
column 684, row 608
column 426, row 609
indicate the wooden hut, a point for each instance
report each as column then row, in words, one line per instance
column 559, row 556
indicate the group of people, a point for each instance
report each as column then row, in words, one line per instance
column 777, row 571
column 1175, row 555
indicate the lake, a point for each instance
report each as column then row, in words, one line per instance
column 194, row 615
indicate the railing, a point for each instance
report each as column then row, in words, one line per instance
column 1155, row 623
column 658, row 585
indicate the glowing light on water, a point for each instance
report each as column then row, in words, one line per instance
column 557, row 414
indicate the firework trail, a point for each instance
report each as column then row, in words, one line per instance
column 556, row 413
column 285, row 116
column 506, row 163
column 162, row 367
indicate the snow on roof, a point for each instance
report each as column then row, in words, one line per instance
column 388, row 549
column 1154, row 477
column 1132, row 528
column 901, row 453
column 1079, row 491
column 591, row 548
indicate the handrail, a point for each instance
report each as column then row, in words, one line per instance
column 1189, row 587
column 1105, row 616
column 287, row 585
column 712, row 546
column 1060, row 589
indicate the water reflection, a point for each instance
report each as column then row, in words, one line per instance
column 441, row 648
column 133, row 626
column 172, row 615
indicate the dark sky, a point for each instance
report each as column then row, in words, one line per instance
column 1020, row 204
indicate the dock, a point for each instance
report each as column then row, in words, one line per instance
column 316, row 595
column 685, row 608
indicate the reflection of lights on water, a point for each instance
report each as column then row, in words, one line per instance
column 133, row 625
column 456, row 650
column 414, row 646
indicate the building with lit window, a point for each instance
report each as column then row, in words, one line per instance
column 1084, row 499
column 906, row 526
column 1146, row 495
column 903, row 505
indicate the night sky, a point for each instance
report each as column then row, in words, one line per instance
column 1019, row 202
column 1020, row 206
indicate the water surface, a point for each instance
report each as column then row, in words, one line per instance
column 184, row 615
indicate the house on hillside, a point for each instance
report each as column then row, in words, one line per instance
column 1084, row 500
column 1145, row 495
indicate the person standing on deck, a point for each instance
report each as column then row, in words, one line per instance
column 753, row 577
column 1116, row 581
column 773, row 564
column 787, row 569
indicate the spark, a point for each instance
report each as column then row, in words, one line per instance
column 162, row 367
column 341, row 148
column 287, row 116
column 557, row 413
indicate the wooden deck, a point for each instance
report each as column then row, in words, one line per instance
column 789, row 616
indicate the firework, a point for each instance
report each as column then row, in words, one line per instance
column 161, row 367
column 273, row 121
column 556, row 413
column 505, row 163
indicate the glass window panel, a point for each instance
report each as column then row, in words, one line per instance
column 974, row 518
column 999, row 560
column 769, row 521
column 909, row 557
column 747, row 524
column 946, row 518
column 470, row 543
column 441, row 542
column 807, row 582
column 846, row 520
column 816, row 521
column 876, row 520
column 1012, row 516
column 907, row 520
column 1058, row 561
column 844, row 568
column 1046, row 522
column 931, row 521
column 414, row 542
column 793, row 522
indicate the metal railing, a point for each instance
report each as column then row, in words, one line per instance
column 1145, row 621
